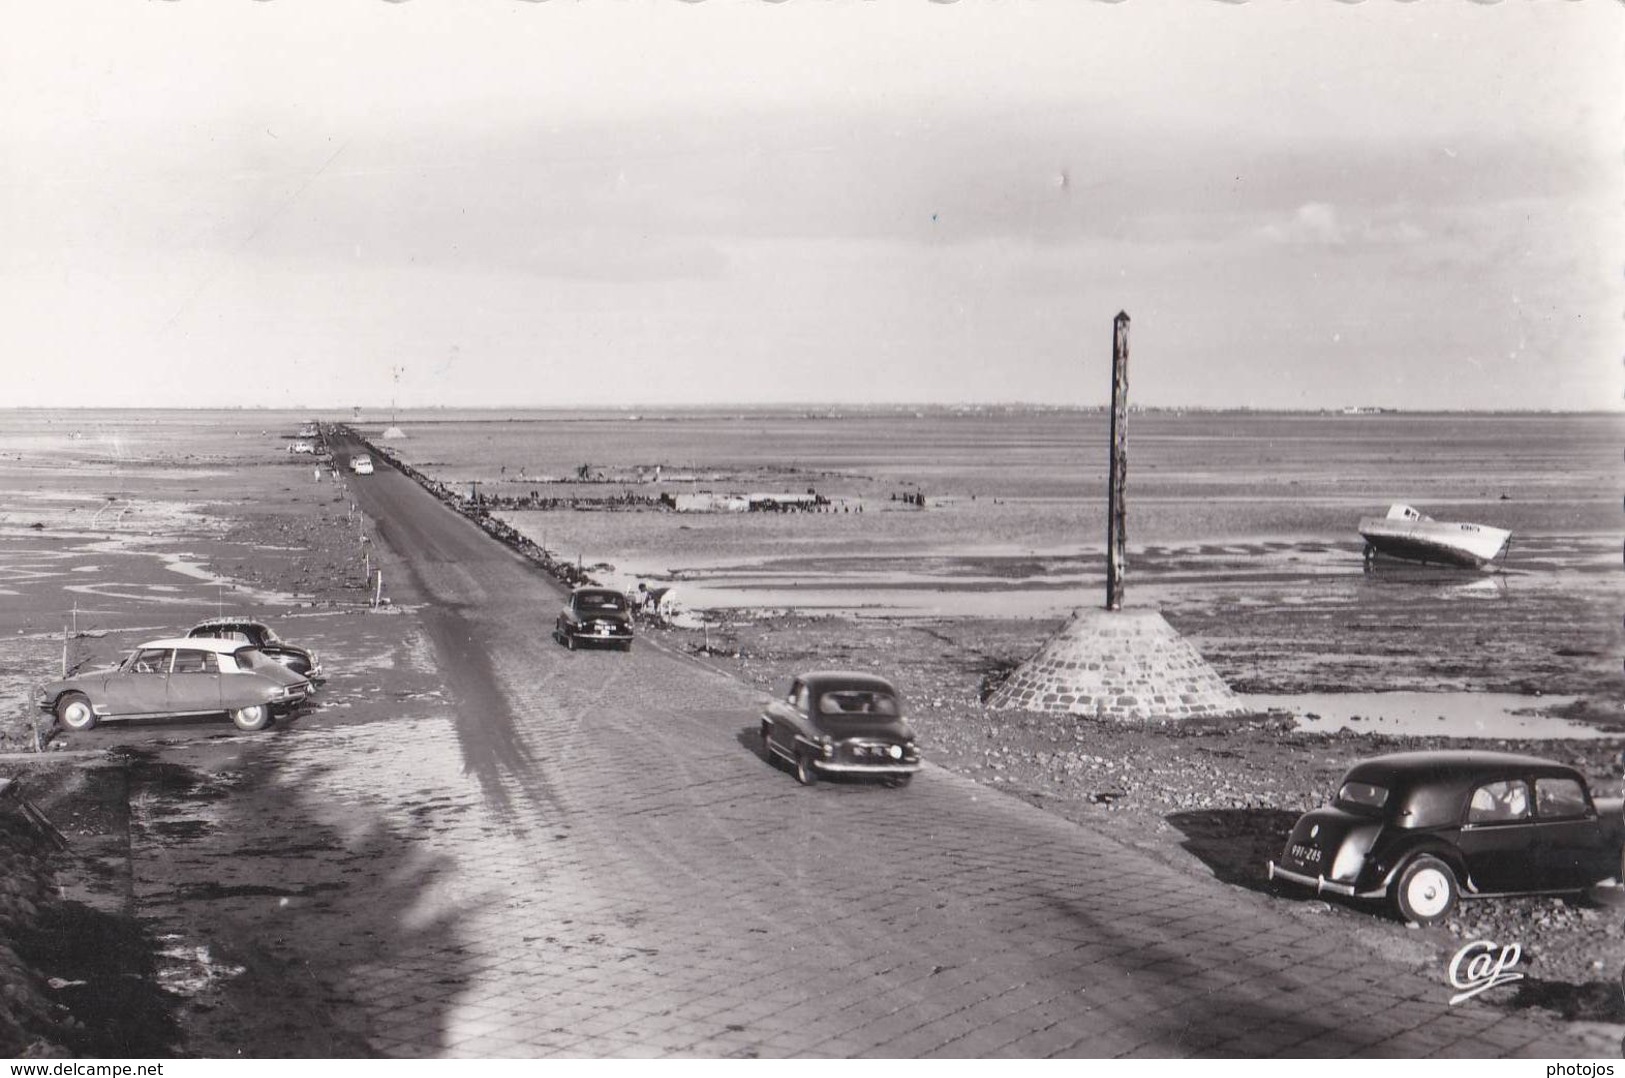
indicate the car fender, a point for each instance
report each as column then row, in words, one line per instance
column 93, row 687
column 244, row 688
column 1426, row 846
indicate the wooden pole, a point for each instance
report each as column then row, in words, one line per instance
column 1116, row 516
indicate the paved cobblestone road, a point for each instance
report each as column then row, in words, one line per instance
column 586, row 854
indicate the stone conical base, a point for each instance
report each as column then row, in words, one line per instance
column 1128, row 665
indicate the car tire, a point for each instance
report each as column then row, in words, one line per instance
column 899, row 781
column 806, row 773
column 252, row 718
column 73, row 711
column 1426, row 891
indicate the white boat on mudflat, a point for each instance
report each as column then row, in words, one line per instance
column 1405, row 533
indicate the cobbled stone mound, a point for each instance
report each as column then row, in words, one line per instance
column 1125, row 665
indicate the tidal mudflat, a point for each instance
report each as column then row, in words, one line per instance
column 1241, row 529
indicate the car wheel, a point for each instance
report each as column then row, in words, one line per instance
column 1426, row 891
column 73, row 711
column 256, row 717
column 899, row 781
column 806, row 773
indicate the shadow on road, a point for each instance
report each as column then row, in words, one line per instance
column 494, row 751
column 1594, row 1001
column 1236, row 843
column 278, row 927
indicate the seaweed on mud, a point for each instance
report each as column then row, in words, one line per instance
column 106, row 973
column 171, row 780
column 220, row 890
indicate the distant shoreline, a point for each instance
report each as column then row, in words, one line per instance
column 384, row 414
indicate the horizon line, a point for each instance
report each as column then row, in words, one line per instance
column 1340, row 409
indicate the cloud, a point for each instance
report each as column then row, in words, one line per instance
column 1322, row 224
column 1315, row 222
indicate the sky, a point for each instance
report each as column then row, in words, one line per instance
column 335, row 203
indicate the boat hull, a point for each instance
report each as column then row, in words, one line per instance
column 1470, row 546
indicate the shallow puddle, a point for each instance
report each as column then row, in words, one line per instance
column 1431, row 714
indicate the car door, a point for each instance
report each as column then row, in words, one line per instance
column 1572, row 846
column 194, row 681
column 788, row 715
column 142, row 686
column 1497, row 836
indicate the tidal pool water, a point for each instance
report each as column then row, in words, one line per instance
column 1431, row 714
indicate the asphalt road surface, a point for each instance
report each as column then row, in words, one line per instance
column 602, row 862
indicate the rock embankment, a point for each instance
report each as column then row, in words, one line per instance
column 32, row 1024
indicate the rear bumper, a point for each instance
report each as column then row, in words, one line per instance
column 1320, row 884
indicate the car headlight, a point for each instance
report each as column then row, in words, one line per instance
column 896, row 752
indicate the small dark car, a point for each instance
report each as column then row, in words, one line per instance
column 260, row 635
column 171, row 678
column 1425, row 829
column 595, row 616
column 837, row 722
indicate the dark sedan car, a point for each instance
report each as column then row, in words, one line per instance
column 595, row 616
column 260, row 635
column 1425, row 829
column 837, row 722
column 170, row 678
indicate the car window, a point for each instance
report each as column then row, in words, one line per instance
column 188, row 661
column 799, row 697
column 601, row 602
column 857, row 702
column 1499, row 802
column 150, row 661
column 1362, row 795
column 1560, row 797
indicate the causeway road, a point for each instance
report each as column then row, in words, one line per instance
column 590, row 856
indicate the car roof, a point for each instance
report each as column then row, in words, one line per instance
column 597, row 589
column 836, row 680
column 197, row 643
column 1449, row 766
column 228, row 621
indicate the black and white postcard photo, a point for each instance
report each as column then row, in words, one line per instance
column 675, row 531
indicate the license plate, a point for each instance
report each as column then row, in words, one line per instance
column 1307, row 854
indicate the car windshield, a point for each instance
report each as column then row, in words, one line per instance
column 858, row 702
column 1362, row 796
column 601, row 602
